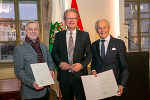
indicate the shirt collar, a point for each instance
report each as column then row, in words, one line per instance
column 107, row 38
column 73, row 32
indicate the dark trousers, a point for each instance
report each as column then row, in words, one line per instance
column 71, row 89
column 46, row 97
column 122, row 97
column 115, row 98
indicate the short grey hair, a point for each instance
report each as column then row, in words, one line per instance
column 30, row 22
column 99, row 20
column 70, row 10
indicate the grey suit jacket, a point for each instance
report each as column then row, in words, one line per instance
column 24, row 55
column 82, row 54
column 115, row 59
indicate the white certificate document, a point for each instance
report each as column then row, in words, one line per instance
column 100, row 87
column 42, row 74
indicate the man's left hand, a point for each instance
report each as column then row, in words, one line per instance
column 120, row 90
column 76, row 67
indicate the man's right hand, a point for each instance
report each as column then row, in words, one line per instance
column 94, row 73
column 36, row 86
column 64, row 66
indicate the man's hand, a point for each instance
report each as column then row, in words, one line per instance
column 36, row 86
column 76, row 67
column 94, row 73
column 120, row 90
column 52, row 74
column 64, row 66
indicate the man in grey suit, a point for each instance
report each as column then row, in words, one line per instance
column 29, row 52
column 109, row 53
column 71, row 53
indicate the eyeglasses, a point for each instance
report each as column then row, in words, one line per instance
column 33, row 29
column 102, row 28
column 68, row 18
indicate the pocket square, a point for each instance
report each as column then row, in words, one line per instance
column 113, row 48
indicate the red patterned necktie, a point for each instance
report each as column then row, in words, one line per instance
column 70, row 49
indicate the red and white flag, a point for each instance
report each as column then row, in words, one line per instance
column 66, row 4
column 74, row 5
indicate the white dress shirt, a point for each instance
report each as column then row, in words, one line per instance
column 73, row 36
column 107, row 39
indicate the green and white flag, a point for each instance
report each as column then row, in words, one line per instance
column 56, row 22
column 58, row 8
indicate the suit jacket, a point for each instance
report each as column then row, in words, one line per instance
column 24, row 55
column 115, row 59
column 82, row 54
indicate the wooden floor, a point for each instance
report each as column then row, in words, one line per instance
column 53, row 95
column 9, row 90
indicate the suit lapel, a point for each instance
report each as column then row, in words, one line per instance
column 98, row 52
column 77, row 41
column 97, row 49
column 42, row 48
column 64, row 43
column 30, row 48
column 110, row 45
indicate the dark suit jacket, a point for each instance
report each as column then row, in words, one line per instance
column 82, row 54
column 115, row 59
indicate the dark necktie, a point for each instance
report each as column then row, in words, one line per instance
column 102, row 49
column 70, row 49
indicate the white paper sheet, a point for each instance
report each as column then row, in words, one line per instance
column 42, row 74
column 100, row 87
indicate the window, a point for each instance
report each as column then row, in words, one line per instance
column 137, row 16
column 14, row 14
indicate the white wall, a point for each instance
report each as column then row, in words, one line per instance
column 91, row 10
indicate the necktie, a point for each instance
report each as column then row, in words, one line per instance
column 70, row 49
column 102, row 49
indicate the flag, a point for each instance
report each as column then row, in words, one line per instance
column 74, row 5
column 58, row 8
column 56, row 26
column 56, row 22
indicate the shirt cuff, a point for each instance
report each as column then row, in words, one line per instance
column 120, row 85
column 93, row 70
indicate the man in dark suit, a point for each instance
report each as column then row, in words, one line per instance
column 109, row 53
column 71, row 53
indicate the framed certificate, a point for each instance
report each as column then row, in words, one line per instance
column 42, row 74
column 100, row 87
